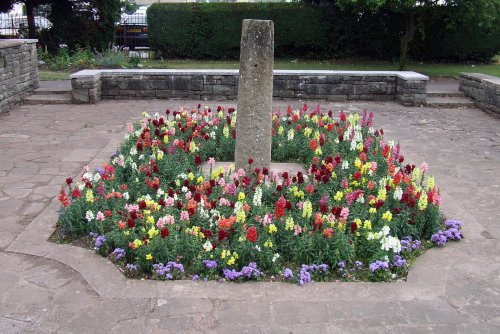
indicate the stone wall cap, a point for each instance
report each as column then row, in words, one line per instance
column 479, row 76
column 406, row 75
column 8, row 43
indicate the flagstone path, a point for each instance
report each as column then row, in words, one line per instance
column 50, row 288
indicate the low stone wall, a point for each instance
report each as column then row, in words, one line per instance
column 89, row 86
column 483, row 89
column 18, row 71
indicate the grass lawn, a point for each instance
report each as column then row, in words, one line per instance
column 432, row 70
column 53, row 75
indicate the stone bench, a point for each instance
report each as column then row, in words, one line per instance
column 90, row 86
column 483, row 89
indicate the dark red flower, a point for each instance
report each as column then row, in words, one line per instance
column 164, row 232
column 222, row 235
column 197, row 160
column 69, row 181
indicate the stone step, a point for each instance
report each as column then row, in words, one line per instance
column 48, row 99
column 49, row 91
column 450, row 102
column 445, row 94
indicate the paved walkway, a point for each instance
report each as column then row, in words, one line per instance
column 50, row 288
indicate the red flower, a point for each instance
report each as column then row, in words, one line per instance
column 313, row 144
column 69, row 181
column 250, row 161
column 252, row 234
column 63, row 198
column 279, row 209
column 76, row 193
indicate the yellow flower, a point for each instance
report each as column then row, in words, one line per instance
column 89, row 196
column 153, row 232
column 357, row 163
column 241, row 216
column 307, row 210
column 360, row 147
column 372, row 210
column 268, row 243
column 137, row 243
column 190, row 176
column 192, row 147
column 241, row 196
column 430, row 183
column 307, row 132
column 387, row 216
column 149, row 257
column 367, row 225
column 151, row 220
column 318, row 151
column 338, row 196
column 289, row 224
column 165, row 139
column 272, row 228
column 159, row 155
column 200, row 180
column 382, row 194
column 225, row 131
column 422, row 201
column 281, row 130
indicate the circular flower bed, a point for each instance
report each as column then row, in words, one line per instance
column 359, row 212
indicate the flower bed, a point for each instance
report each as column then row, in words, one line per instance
column 357, row 213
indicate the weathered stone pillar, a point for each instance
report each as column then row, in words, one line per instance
column 255, row 94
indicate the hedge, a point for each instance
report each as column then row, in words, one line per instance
column 213, row 31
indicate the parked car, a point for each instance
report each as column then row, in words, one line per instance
column 17, row 26
column 132, row 30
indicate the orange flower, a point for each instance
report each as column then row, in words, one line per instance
column 328, row 233
column 226, row 223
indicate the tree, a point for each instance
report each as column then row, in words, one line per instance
column 31, row 5
column 484, row 12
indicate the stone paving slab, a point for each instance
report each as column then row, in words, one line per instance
column 50, row 288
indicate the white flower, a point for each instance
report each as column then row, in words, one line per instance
column 159, row 193
column 275, row 257
column 127, row 136
column 126, row 196
column 97, row 177
column 257, row 197
column 345, row 164
column 89, row 216
column 238, row 206
column 184, row 189
column 385, row 230
column 141, row 157
column 398, row 194
column 133, row 151
column 257, row 248
column 80, row 186
column 207, row 246
column 87, row 176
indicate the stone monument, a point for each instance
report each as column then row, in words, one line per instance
column 255, row 95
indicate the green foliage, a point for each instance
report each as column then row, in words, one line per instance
column 89, row 24
column 82, row 58
column 202, row 30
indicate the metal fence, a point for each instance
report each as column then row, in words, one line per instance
column 16, row 25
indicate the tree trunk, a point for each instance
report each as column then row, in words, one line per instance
column 30, row 13
column 406, row 38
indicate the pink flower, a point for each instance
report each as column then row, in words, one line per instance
column 130, row 127
column 188, row 195
column 184, row 215
column 211, row 161
column 298, row 230
column 344, row 213
column 424, row 167
column 224, row 202
column 169, row 202
column 100, row 216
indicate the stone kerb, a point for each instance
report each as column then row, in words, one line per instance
column 409, row 88
column 483, row 89
column 18, row 71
